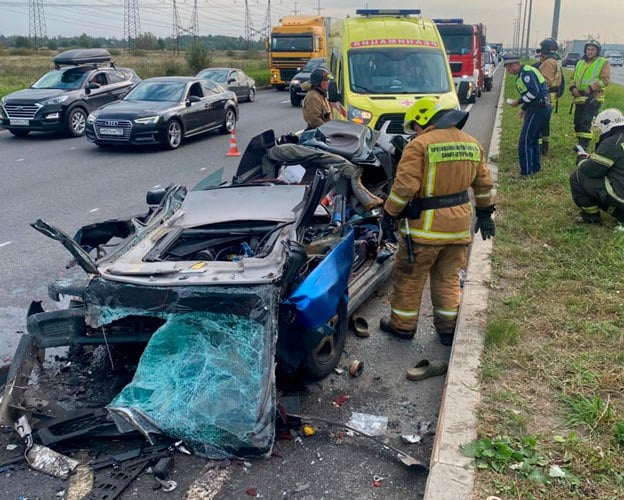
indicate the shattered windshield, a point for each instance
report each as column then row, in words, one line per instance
column 393, row 70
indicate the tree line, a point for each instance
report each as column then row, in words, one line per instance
column 146, row 41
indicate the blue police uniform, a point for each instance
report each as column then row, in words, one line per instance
column 535, row 102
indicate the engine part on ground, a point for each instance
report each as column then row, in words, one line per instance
column 360, row 326
column 42, row 458
column 356, row 368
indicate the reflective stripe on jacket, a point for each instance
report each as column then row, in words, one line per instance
column 440, row 162
column 531, row 86
column 594, row 74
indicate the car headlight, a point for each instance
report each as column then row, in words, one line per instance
column 296, row 81
column 148, row 120
column 357, row 115
column 91, row 118
column 55, row 100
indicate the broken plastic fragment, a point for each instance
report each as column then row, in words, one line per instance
column 371, row 425
column 411, row 438
column 308, row 430
column 340, row 400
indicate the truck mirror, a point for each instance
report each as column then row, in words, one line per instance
column 332, row 92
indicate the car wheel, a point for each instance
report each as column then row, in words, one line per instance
column 76, row 122
column 252, row 95
column 229, row 122
column 19, row 133
column 281, row 88
column 323, row 357
column 173, row 134
column 295, row 100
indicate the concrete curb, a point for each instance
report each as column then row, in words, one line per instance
column 451, row 474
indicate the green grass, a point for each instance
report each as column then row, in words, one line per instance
column 19, row 71
column 552, row 370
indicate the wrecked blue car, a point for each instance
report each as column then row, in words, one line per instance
column 224, row 282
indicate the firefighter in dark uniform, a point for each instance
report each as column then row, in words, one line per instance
column 316, row 107
column 430, row 197
column 550, row 69
column 536, row 109
column 598, row 181
column 591, row 75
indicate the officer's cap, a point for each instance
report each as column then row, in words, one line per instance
column 510, row 60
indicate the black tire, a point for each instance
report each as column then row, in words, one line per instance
column 323, row 357
column 473, row 98
column 172, row 135
column 229, row 121
column 488, row 85
column 251, row 97
column 295, row 100
column 19, row 133
column 76, row 122
column 281, row 88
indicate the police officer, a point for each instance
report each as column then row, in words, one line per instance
column 550, row 69
column 598, row 181
column 536, row 109
column 316, row 108
column 430, row 197
column 591, row 75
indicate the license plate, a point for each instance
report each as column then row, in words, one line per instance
column 111, row 131
column 20, row 122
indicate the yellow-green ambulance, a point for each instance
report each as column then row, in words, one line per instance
column 382, row 61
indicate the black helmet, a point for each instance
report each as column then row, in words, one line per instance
column 548, row 46
column 595, row 43
column 318, row 75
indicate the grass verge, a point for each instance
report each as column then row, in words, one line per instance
column 551, row 418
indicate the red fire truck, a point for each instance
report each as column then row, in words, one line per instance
column 463, row 43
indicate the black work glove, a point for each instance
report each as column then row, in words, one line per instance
column 485, row 224
column 389, row 225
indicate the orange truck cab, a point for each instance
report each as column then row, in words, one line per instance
column 464, row 43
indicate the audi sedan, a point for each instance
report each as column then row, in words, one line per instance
column 232, row 79
column 165, row 111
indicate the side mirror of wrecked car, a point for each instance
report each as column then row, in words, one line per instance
column 155, row 196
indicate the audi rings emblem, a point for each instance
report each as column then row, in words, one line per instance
column 111, row 123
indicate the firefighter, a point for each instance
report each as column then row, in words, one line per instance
column 430, row 198
column 598, row 181
column 536, row 109
column 316, row 108
column 550, row 69
column 591, row 75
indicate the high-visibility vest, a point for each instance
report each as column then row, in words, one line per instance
column 586, row 74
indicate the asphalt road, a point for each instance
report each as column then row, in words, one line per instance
column 70, row 182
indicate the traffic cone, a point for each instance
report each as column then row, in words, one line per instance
column 233, row 151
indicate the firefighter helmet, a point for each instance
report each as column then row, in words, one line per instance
column 595, row 43
column 548, row 46
column 431, row 111
column 318, row 75
column 609, row 119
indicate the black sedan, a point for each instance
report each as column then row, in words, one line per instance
column 232, row 79
column 299, row 84
column 164, row 110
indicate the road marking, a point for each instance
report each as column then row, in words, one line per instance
column 285, row 102
column 468, row 108
column 72, row 148
column 93, row 210
column 203, row 168
column 156, row 186
column 20, row 159
column 5, row 243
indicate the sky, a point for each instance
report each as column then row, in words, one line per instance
column 579, row 19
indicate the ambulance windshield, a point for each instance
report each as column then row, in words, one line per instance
column 398, row 70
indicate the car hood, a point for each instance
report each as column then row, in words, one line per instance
column 303, row 76
column 36, row 95
column 134, row 108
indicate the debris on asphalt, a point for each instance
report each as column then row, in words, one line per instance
column 308, row 430
column 411, row 438
column 252, row 492
column 11, row 447
column 339, row 371
column 371, row 425
column 340, row 400
column 42, row 458
column 356, row 368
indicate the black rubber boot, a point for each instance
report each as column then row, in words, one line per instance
column 386, row 326
column 544, row 148
column 585, row 218
column 446, row 337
